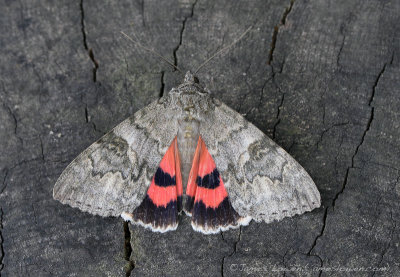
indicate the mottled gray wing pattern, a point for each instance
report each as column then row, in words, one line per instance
column 113, row 174
column 263, row 181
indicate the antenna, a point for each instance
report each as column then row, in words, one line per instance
column 151, row 50
column 223, row 49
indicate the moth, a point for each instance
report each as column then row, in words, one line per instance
column 187, row 152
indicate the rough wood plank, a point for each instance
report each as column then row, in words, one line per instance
column 320, row 77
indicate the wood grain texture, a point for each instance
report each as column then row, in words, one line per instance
column 319, row 77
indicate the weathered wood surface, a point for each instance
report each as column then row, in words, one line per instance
column 322, row 78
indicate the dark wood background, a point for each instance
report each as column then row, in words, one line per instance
column 322, row 78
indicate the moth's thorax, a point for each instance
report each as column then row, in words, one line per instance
column 190, row 95
column 189, row 100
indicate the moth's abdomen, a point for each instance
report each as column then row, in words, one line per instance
column 188, row 134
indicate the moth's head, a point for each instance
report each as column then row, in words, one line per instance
column 190, row 85
column 190, row 94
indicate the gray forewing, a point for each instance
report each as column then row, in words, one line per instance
column 263, row 181
column 113, row 174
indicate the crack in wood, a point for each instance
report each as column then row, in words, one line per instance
column 340, row 51
column 330, row 128
column 316, row 239
column 181, row 34
column 128, row 250
column 83, row 24
column 276, row 31
column 371, row 98
column 234, row 249
column 41, row 148
column 371, row 118
column 14, row 117
column 162, row 88
column 88, row 118
column 86, row 114
column 278, row 120
column 95, row 63
column 85, row 44
column 342, row 30
column 282, row 22
column 8, row 169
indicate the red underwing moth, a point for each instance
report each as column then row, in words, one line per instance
column 187, row 152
